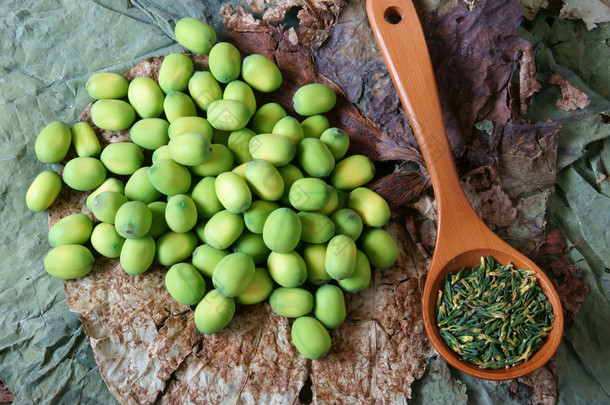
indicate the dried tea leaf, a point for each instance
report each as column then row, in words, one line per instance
column 543, row 383
column 567, row 277
column 592, row 12
column 531, row 7
column 571, row 96
column 438, row 386
column 528, row 82
column 6, row 395
column 492, row 205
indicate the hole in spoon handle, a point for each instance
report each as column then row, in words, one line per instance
column 393, row 15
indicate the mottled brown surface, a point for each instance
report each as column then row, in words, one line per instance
column 473, row 56
column 138, row 333
column 543, row 384
column 474, row 59
column 6, row 395
column 68, row 202
column 571, row 96
column 398, row 188
column 528, row 84
column 381, row 348
column 571, row 289
column 482, row 187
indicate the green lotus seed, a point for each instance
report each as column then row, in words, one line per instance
column 225, row 62
column 146, row 97
column 185, row 284
column 261, row 73
column 313, row 99
column 85, row 140
column 195, row 35
column 106, row 85
column 175, row 72
column 133, row 220
column 53, row 142
column 175, row 247
column 310, row 337
column 112, row 115
column 43, row 191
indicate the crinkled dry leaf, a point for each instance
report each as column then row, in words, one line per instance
column 543, row 383
column 526, row 164
column 315, row 16
column 528, row 82
column 474, row 58
column 6, row 395
column 592, row 12
column 138, row 333
column 411, row 228
column 567, row 277
column 400, row 187
column 492, row 205
column 571, row 96
column 531, row 7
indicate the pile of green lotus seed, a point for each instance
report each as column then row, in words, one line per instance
column 225, row 195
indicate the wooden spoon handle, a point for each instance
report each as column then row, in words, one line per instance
column 403, row 45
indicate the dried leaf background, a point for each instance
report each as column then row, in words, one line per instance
column 146, row 345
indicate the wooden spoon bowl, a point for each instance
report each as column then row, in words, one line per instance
column 462, row 238
column 470, row 259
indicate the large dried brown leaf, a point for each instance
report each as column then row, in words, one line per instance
column 473, row 57
column 6, row 395
column 528, row 84
column 492, row 205
column 567, row 276
column 572, row 97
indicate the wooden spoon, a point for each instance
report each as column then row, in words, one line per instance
column 462, row 238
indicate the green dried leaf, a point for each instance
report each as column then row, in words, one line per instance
column 531, row 7
column 588, row 203
column 437, row 386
